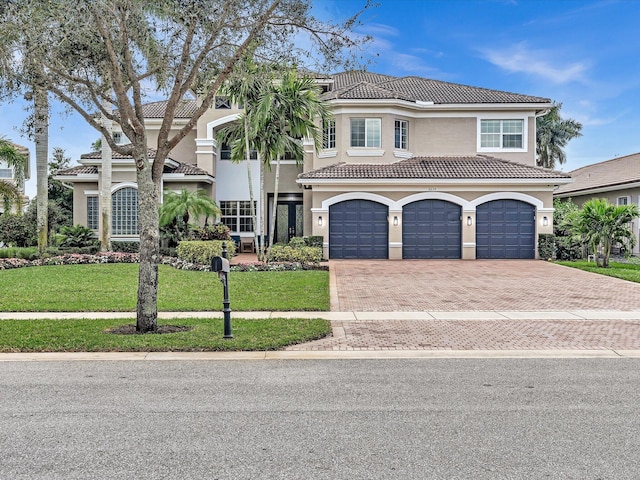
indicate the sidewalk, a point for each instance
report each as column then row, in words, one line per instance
column 472, row 334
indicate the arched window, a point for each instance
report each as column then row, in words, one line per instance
column 124, row 211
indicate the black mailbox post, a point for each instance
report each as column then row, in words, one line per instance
column 220, row 265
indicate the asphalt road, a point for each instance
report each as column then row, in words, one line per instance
column 329, row 419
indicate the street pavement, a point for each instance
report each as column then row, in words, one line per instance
column 329, row 419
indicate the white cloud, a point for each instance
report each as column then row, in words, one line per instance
column 521, row 59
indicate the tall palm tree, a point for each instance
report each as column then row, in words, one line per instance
column 180, row 207
column 552, row 135
column 289, row 110
column 41, row 137
column 11, row 193
column 244, row 87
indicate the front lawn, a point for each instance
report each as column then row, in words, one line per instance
column 113, row 287
column 625, row 271
column 206, row 335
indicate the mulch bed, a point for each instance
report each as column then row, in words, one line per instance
column 131, row 329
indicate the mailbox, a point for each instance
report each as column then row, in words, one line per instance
column 220, row 265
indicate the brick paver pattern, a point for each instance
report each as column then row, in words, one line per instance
column 481, row 285
column 479, row 335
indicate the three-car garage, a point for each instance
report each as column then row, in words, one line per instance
column 431, row 229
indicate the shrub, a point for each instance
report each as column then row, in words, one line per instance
column 78, row 236
column 219, row 231
column 314, row 240
column 196, row 251
column 286, row 253
column 297, row 242
column 16, row 230
column 546, row 245
column 26, row 253
column 126, row 247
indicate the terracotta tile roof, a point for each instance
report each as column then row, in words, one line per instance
column 371, row 86
column 185, row 109
column 172, row 167
column 79, row 170
column 618, row 171
column 437, row 167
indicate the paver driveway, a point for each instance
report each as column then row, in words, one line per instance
column 482, row 285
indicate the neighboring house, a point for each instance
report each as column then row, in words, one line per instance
column 617, row 180
column 410, row 168
column 7, row 173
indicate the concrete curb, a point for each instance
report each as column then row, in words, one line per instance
column 314, row 355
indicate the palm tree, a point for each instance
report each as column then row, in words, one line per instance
column 180, row 207
column 288, row 111
column 552, row 135
column 604, row 224
column 41, row 137
column 11, row 193
column 244, row 87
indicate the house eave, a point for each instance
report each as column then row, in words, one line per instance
column 420, row 105
column 181, row 177
column 603, row 189
column 434, row 181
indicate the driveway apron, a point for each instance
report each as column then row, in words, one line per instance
column 481, row 285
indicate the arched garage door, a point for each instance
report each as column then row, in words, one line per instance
column 431, row 229
column 505, row 229
column 358, row 229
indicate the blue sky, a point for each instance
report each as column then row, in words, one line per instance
column 584, row 54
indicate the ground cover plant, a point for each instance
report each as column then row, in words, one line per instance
column 203, row 335
column 112, row 287
column 625, row 271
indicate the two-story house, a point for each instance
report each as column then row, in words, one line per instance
column 410, row 168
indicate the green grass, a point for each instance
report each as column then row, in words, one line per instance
column 624, row 271
column 113, row 287
column 206, row 335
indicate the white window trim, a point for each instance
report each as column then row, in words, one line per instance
column 406, row 123
column 503, row 116
column 627, row 197
column 366, row 121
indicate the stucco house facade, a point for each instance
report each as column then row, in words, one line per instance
column 616, row 180
column 410, row 168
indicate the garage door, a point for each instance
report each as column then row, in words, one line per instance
column 358, row 229
column 431, row 229
column 505, row 229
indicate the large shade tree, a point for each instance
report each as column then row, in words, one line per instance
column 552, row 135
column 97, row 52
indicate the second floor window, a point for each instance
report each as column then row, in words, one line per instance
column 6, row 173
column 222, row 103
column 366, row 132
column 502, row 133
column 402, row 134
column 329, row 134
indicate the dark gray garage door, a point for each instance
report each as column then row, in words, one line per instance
column 358, row 229
column 505, row 229
column 431, row 229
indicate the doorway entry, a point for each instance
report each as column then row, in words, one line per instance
column 289, row 218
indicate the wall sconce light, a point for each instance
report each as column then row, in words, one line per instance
column 320, row 221
column 545, row 221
column 469, row 220
column 395, row 220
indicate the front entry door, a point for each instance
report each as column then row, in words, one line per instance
column 288, row 221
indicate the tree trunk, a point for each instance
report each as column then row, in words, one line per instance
column 105, row 208
column 276, row 188
column 251, row 199
column 263, row 214
column 148, row 223
column 41, row 127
